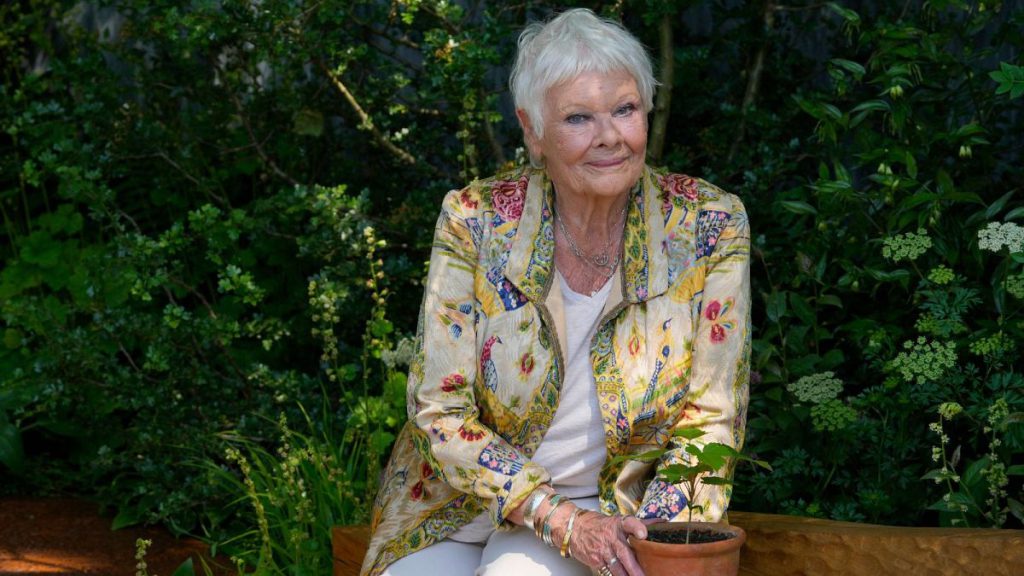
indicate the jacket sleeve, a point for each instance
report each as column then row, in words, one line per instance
column 441, row 402
column 717, row 399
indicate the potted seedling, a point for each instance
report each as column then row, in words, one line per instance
column 693, row 548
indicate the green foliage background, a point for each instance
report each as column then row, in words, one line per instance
column 217, row 213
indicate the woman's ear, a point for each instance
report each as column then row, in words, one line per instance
column 533, row 146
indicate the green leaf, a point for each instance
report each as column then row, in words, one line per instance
column 888, row 276
column 798, row 207
column 185, row 569
column 918, row 198
column 776, row 308
column 1016, row 508
column 911, row 165
column 997, row 206
column 308, row 123
column 801, row 308
column 850, row 66
column 830, row 300
column 716, row 481
column 12, row 453
column 688, row 433
column 1015, row 213
column 125, row 517
column 872, row 106
column 718, row 450
column 12, row 339
column 847, row 14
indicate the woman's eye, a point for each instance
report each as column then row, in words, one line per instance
column 576, row 118
column 625, row 109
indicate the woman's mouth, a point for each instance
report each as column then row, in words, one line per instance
column 608, row 163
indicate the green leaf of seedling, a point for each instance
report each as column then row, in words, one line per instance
column 715, row 454
column 688, row 433
column 648, row 456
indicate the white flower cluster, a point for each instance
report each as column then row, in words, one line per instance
column 816, row 388
column 998, row 234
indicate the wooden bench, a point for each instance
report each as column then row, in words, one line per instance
column 790, row 546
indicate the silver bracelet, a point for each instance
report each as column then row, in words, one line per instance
column 531, row 508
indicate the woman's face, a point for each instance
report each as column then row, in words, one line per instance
column 595, row 134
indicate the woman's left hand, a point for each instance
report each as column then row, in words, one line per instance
column 599, row 541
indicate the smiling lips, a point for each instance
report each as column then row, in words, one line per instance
column 607, row 163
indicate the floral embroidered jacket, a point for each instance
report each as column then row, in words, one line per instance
column 671, row 350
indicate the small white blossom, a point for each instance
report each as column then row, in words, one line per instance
column 999, row 234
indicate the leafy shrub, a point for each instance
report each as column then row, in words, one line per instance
column 206, row 208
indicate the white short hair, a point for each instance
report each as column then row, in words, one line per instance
column 574, row 42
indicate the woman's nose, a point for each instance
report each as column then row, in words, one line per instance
column 608, row 133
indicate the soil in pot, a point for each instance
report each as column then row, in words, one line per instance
column 718, row 557
column 697, row 536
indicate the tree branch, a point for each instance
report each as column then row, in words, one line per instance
column 366, row 122
column 662, row 108
column 499, row 154
column 256, row 143
column 753, row 78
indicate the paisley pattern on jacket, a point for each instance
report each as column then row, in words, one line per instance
column 671, row 350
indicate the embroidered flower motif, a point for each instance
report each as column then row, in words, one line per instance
column 508, row 198
column 679, row 185
column 470, row 435
column 426, row 471
column 715, row 312
column 453, row 382
column 417, row 492
column 526, row 364
column 501, row 458
column 634, row 345
column 468, row 200
column 487, row 367
column 663, row 501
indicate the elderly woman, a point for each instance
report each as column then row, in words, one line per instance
column 576, row 310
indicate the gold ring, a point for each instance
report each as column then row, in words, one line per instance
column 604, row 571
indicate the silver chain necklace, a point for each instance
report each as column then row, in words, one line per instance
column 600, row 261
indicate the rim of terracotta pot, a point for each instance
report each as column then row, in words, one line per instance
column 693, row 550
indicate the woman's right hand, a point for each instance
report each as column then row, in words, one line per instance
column 599, row 541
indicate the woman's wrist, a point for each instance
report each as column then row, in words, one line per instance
column 536, row 499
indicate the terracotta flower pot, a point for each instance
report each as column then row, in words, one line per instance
column 719, row 558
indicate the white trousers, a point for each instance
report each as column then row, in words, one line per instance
column 505, row 553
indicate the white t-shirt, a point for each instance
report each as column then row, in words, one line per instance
column 573, row 449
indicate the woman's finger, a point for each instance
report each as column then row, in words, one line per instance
column 627, row 560
column 633, row 526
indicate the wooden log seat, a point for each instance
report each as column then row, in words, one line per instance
column 790, row 546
